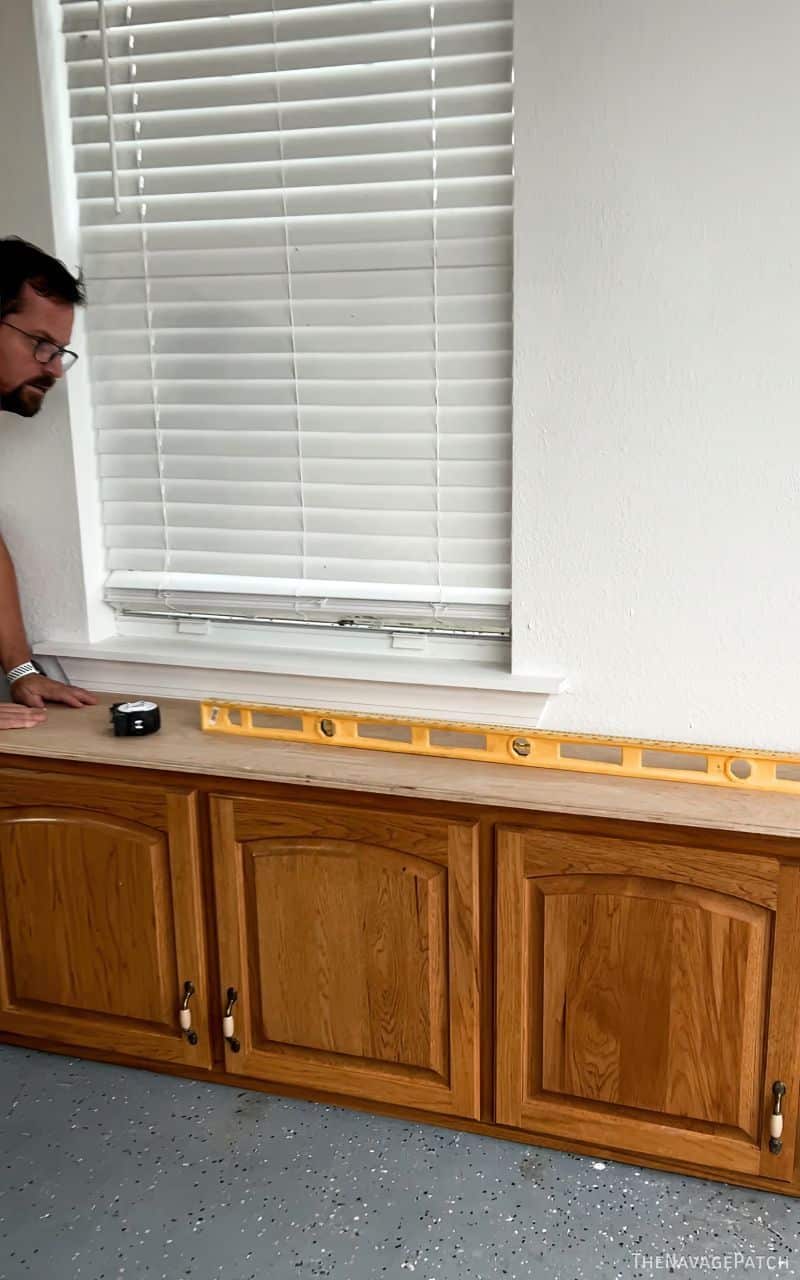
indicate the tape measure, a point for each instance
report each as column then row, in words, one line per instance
column 135, row 719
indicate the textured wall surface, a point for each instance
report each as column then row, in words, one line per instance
column 657, row 450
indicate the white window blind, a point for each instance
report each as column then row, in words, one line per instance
column 297, row 241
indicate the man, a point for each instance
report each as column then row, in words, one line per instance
column 37, row 301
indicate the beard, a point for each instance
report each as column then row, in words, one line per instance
column 26, row 400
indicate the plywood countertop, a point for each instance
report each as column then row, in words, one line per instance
column 182, row 747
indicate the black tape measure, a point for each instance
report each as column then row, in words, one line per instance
column 135, row 719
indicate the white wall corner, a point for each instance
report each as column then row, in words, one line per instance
column 81, row 485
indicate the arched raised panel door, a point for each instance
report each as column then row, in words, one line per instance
column 100, row 925
column 646, row 997
column 350, row 937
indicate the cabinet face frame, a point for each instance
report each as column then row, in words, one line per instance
column 532, row 862
column 140, row 797
column 452, row 1084
column 91, row 819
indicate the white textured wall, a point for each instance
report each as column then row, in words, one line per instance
column 38, row 510
column 657, row 501
column 657, row 506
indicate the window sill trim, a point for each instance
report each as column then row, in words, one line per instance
column 194, row 668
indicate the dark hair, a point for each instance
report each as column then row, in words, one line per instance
column 22, row 263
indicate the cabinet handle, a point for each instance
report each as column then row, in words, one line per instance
column 185, row 1013
column 227, row 1021
column 776, row 1119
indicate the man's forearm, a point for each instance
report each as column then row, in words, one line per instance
column 14, row 647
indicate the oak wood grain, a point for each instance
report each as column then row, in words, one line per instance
column 783, row 1038
column 742, row 875
column 404, row 833
column 126, row 799
column 352, row 953
column 100, row 921
column 355, row 955
column 87, row 914
column 634, row 995
column 653, row 995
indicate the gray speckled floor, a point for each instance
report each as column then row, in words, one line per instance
column 106, row 1172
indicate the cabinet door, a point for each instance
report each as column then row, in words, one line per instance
column 100, row 915
column 646, row 997
column 350, row 937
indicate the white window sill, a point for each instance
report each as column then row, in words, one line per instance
column 398, row 682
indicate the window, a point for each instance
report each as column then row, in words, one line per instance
column 297, row 239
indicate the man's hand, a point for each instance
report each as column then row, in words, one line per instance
column 14, row 717
column 35, row 691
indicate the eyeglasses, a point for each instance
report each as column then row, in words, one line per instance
column 45, row 351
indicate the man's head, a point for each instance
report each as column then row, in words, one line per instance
column 38, row 297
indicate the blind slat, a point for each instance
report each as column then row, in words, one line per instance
column 261, row 145
column 335, row 111
column 136, row 421
column 81, row 15
column 300, row 89
column 491, row 305
column 407, row 282
column 174, row 52
column 295, row 175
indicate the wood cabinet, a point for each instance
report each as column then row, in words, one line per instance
column 647, row 996
column 644, row 980
column 351, row 938
column 101, row 916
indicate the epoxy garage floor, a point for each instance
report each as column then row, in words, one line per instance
column 107, row 1172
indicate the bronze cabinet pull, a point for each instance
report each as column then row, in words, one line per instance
column 776, row 1119
column 227, row 1021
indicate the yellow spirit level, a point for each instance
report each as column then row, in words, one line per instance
column 544, row 749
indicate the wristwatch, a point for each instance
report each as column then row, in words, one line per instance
column 24, row 669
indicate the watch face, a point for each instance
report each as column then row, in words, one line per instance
column 125, row 707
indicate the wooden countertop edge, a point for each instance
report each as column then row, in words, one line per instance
column 182, row 748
